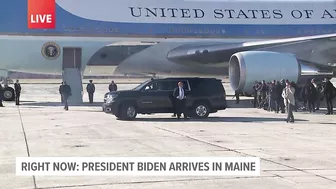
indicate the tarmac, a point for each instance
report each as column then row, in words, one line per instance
column 293, row 156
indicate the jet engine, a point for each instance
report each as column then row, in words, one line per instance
column 249, row 66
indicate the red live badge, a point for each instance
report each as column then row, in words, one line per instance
column 41, row 14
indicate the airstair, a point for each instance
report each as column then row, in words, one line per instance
column 73, row 78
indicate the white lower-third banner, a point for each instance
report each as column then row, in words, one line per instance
column 138, row 166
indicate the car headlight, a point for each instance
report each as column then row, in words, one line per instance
column 109, row 100
column 110, row 97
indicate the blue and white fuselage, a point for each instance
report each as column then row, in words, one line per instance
column 169, row 29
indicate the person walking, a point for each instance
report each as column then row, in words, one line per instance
column 65, row 91
column 60, row 91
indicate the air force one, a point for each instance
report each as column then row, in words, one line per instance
column 245, row 40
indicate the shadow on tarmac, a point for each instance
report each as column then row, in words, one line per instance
column 219, row 119
column 231, row 104
column 95, row 104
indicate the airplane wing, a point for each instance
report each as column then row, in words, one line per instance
column 320, row 49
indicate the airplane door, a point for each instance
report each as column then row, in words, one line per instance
column 72, row 58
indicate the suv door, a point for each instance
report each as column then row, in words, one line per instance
column 154, row 98
column 167, row 88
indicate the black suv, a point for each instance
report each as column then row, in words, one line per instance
column 203, row 96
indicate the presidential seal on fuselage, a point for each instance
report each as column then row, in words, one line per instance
column 50, row 50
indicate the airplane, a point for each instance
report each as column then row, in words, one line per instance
column 244, row 40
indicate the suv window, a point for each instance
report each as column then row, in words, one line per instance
column 207, row 86
column 216, row 87
column 167, row 85
column 139, row 87
column 153, row 86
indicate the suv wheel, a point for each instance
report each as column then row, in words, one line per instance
column 201, row 110
column 128, row 112
column 8, row 94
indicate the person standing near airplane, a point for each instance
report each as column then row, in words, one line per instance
column 288, row 94
column 273, row 97
column 310, row 93
column 17, row 87
column 318, row 94
column 279, row 100
column 113, row 87
column 255, row 94
column 262, row 90
column 296, row 95
column 65, row 91
column 329, row 93
column 90, row 88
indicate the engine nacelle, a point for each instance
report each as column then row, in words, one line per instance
column 247, row 67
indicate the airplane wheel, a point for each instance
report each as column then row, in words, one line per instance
column 8, row 94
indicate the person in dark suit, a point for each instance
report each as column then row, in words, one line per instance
column 329, row 93
column 90, row 88
column 255, row 94
column 1, row 96
column 65, row 91
column 310, row 94
column 262, row 89
column 113, row 87
column 180, row 100
column 17, row 88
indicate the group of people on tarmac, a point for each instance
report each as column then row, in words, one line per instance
column 280, row 96
column 65, row 92
column 17, row 93
column 277, row 96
